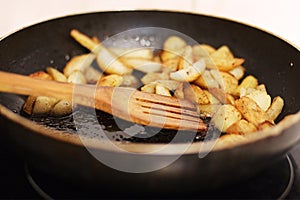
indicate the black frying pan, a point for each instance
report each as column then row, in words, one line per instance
column 272, row 60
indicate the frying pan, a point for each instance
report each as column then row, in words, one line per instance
column 59, row 153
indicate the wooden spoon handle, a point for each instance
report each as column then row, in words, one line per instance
column 87, row 95
column 25, row 85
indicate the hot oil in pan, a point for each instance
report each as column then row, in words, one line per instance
column 120, row 131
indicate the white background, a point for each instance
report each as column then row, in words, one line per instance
column 277, row 16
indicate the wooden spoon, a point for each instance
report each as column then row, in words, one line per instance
column 126, row 103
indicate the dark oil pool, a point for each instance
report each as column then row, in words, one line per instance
column 97, row 124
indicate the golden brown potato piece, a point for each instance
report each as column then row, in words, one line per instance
column 275, row 108
column 112, row 80
column 186, row 59
column 79, row 63
column 43, row 105
column 227, row 82
column 136, row 53
column 248, row 82
column 77, row 77
column 195, row 94
column 61, row 108
column 30, row 101
column 174, row 44
column 162, row 90
column 262, row 99
column 206, row 80
column 143, row 65
column 57, row 75
column 225, row 117
column 172, row 64
column 251, row 111
column 238, row 72
column 264, row 125
column 41, row 75
column 29, row 104
column 110, row 63
column 106, row 60
column 241, row 127
column 222, row 96
column 149, row 88
column 84, row 40
column 202, row 51
column 189, row 74
column 224, row 59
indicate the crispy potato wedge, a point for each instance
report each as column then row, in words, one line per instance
column 61, row 108
column 195, row 94
column 84, row 40
column 29, row 104
column 206, row 80
column 190, row 73
column 77, row 77
column 238, row 72
column 172, row 64
column 30, row 101
column 110, row 63
column 149, row 88
column 186, row 59
column 57, row 75
column 113, row 80
column 224, row 59
column 41, row 75
column 275, row 108
column 225, row 117
column 227, row 82
column 162, row 90
column 136, row 53
column 106, row 60
column 211, row 97
column 262, row 88
column 222, row 96
column 202, row 51
column 79, row 63
column 174, row 44
column 248, row 82
column 241, row 127
column 143, row 65
column 43, row 105
column 251, row 111
column 262, row 99
column 264, row 125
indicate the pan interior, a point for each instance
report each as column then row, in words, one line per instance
column 272, row 60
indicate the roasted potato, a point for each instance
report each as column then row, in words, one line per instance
column 225, row 116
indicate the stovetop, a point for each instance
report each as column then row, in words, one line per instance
column 19, row 181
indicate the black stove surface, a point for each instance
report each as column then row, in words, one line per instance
column 19, row 181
